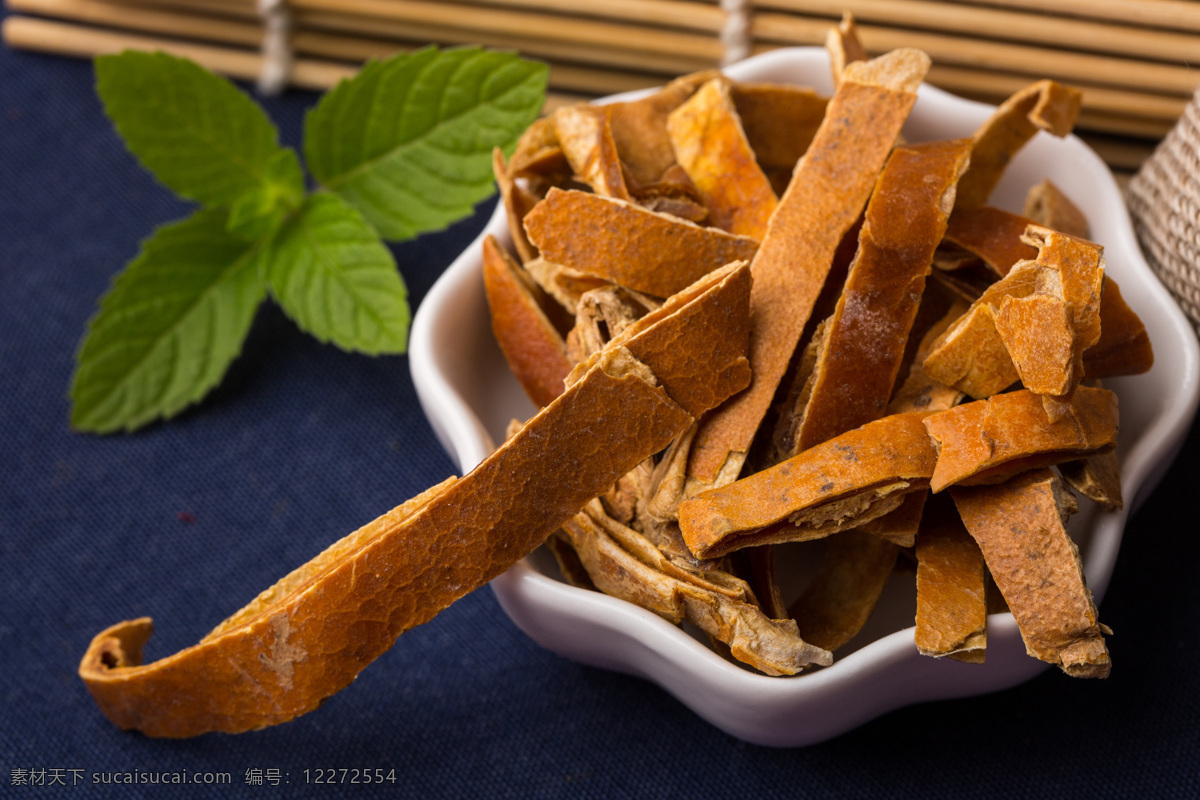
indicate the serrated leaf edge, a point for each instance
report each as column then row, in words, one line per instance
column 350, row 289
column 143, row 419
column 373, row 163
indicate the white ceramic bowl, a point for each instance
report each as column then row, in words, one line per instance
column 469, row 396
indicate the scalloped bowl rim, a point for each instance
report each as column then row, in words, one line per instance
column 886, row 673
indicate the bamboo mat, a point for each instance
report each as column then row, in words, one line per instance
column 1131, row 57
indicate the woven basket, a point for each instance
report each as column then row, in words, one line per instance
column 1164, row 201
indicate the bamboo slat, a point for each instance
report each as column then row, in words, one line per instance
column 82, row 41
column 1132, row 58
column 1169, row 14
column 1035, row 61
column 1004, row 24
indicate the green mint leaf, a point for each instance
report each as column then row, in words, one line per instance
column 198, row 133
column 169, row 327
column 259, row 211
column 408, row 141
column 333, row 276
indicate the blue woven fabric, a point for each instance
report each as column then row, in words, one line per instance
column 187, row 521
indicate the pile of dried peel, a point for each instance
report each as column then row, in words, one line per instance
column 925, row 368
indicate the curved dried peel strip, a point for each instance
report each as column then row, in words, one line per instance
column 803, row 377
column 844, row 46
column 712, row 148
column 334, row 616
column 756, row 565
column 639, row 127
column 1081, row 264
column 780, row 121
column 666, row 489
column 538, row 156
column 1038, row 334
column 564, row 284
column 1034, row 324
column 823, row 201
column 674, row 336
column 1124, row 347
column 899, row 526
column 1046, row 331
column 771, row 646
column 532, row 346
column 993, row 235
column 840, row 599
column 621, row 500
column 1019, row 526
column 517, row 203
column 1097, row 478
column 990, row 440
column 905, row 219
column 951, row 587
column 602, row 314
column 1041, row 106
column 834, row 486
column 311, row 635
column 639, row 546
column 920, row 392
column 673, row 195
column 587, row 142
column 1046, row 205
column 970, row 356
column 629, row 245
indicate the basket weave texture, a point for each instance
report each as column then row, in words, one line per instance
column 1164, row 201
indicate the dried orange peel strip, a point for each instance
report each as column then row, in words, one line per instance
column 283, row 657
column 711, row 146
column 951, row 587
column 866, row 337
column 629, row 245
column 1032, row 325
column 564, row 284
column 990, row 440
column 517, row 203
column 779, row 120
column 309, row 636
column 1077, row 268
column 832, row 487
column 993, row 235
column 919, row 392
column 1098, row 478
column 1042, row 106
column 840, row 599
column 1019, row 526
column 1047, row 205
column 587, row 142
column 1124, row 347
column 996, row 236
column 678, row 333
column 823, row 201
column 639, row 128
column 623, row 564
column 532, row 346
column 844, row 46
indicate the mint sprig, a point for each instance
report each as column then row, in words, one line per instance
column 402, row 148
column 409, row 142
